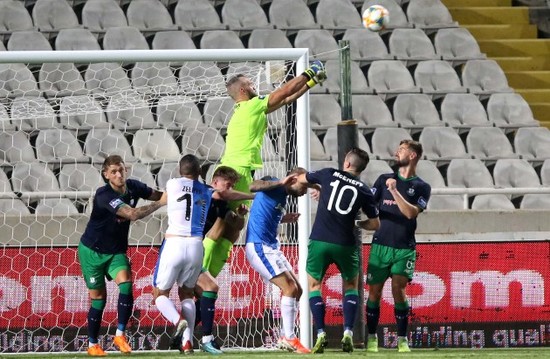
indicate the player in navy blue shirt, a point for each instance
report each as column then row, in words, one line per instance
column 332, row 240
column 401, row 197
column 102, row 248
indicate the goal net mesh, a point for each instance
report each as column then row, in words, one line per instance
column 58, row 121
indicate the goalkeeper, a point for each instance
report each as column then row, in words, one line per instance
column 245, row 135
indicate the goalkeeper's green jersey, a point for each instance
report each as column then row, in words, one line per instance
column 245, row 134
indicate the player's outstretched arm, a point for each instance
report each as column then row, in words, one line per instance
column 266, row 185
column 134, row 214
column 232, row 195
column 155, row 195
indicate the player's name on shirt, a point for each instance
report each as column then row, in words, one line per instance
column 347, row 179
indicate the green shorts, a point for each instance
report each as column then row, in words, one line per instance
column 322, row 254
column 386, row 261
column 98, row 266
column 242, row 185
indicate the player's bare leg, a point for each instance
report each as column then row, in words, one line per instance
column 170, row 313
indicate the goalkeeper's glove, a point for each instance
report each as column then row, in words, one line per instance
column 315, row 67
column 319, row 78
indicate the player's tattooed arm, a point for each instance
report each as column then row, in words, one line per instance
column 155, row 195
column 134, row 214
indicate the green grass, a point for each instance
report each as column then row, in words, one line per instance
column 531, row 353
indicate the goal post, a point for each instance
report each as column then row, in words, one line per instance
column 137, row 95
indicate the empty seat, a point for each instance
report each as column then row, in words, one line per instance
column 218, row 111
column 201, row 78
column 415, row 111
column 468, row 173
column 268, row 38
column 535, row 201
column 397, row 15
column 13, row 207
column 129, row 112
column 244, row 15
column 366, row 45
column 291, row 15
column 221, row 39
column 15, row 147
column 155, row 147
column 179, row 113
column 338, row 14
column 61, row 79
column 17, row 80
column 28, row 40
column 442, row 144
column 446, row 203
column 389, row 78
column 56, row 146
column 5, row 123
column 167, row 40
column 429, row 14
column 205, row 143
column 55, row 207
column 33, row 113
column 149, row 15
column 457, row 45
column 374, row 169
column 124, row 38
column 197, row 15
column 463, row 111
column 484, row 77
column 141, row 172
column 106, row 78
column 437, row 77
column 80, row 177
column 510, row 111
column 153, row 78
column 5, row 185
column 76, row 39
column 53, row 15
column 33, row 177
column 13, row 17
column 371, row 112
column 489, row 144
column 533, row 143
column 515, row 173
column 428, row 171
column 325, row 112
column 545, row 173
column 385, row 141
column 492, row 202
column 99, row 15
column 358, row 81
column 318, row 165
column 316, row 149
column 81, row 113
column 330, row 142
column 320, row 43
column 103, row 142
column 411, row 45
column 167, row 171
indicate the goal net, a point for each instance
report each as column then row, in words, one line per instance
column 61, row 114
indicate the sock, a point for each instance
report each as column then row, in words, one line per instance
column 167, row 309
column 198, row 315
column 373, row 316
column 402, row 318
column 94, row 319
column 220, row 256
column 125, row 306
column 208, row 311
column 317, row 310
column 209, row 245
column 351, row 297
column 288, row 313
column 188, row 312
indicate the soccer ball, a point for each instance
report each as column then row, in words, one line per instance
column 376, row 17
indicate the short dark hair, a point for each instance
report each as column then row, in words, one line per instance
column 111, row 160
column 234, row 79
column 415, row 146
column 358, row 158
column 297, row 170
column 226, row 173
column 190, row 166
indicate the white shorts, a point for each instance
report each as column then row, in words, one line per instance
column 267, row 261
column 180, row 261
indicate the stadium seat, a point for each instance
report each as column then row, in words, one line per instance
column 28, row 40
column 330, row 142
column 15, row 147
column 33, row 177
column 366, row 46
column 374, row 169
column 437, row 78
column 149, row 16
column 359, row 83
column 168, row 40
column 201, row 79
column 390, row 78
column 55, row 207
column 535, row 201
column 515, row 173
column 106, row 78
column 268, row 38
column 124, row 38
column 242, row 15
column 371, row 112
column 103, row 142
column 510, row 111
column 5, row 123
column 5, row 185
column 76, row 39
column 205, row 143
column 415, row 111
column 141, row 172
column 545, row 173
column 17, row 80
column 489, row 144
column 179, row 113
column 80, row 177
column 320, row 43
column 197, row 16
column 81, row 113
column 446, row 203
column 411, row 46
column 337, row 15
column 13, row 207
column 167, row 171
column 316, row 149
column 13, row 17
column 50, row 16
column 533, row 143
column 2, row 47
column 492, row 202
column 468, row 173
column 397, row 18
column 429, row 14
column 385, row 141
column 153, row 78
column 291, row 16
column 154, row 147
column 457, row 45
column 221, row 39
column 428, row 171
column 100, row 15
column 60, row 80
column 463, row 111
column 33, row 113
column 218, row 111
column 484, row 77
column 325, row 112
column 442, row 144
column 58, row 146
column 129, row 112
column 318, row 165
